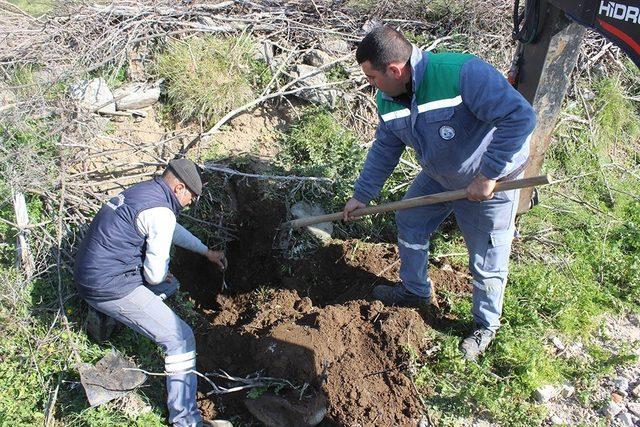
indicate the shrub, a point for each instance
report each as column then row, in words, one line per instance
column 208, row 76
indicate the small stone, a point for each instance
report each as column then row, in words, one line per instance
column 545, row 393
column 6, row 95
column 317, row 58
column 304, row 305
column 616, row 397
column 625, row 419
column 634, row 408
column 337, row 46
column 319, row 95
column 636, row 391
column 557, row 342
column 621, row 384
column 447, row 267
column 557, row 420
column 93, row 95
column 567, row 390
column 573, row 350
column 375, row 308
column 627, row 374
column 261, row 51
column 43, row 76
column 588, row 95
column 612, row 409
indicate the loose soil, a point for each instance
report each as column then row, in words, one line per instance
column 309, row 320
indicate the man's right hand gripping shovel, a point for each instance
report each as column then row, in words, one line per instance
column 351, row 205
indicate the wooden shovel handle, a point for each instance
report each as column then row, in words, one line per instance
column 431, row 199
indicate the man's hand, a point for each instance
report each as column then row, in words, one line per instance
column 351, row 206
column 218, row 258
column 481, row 188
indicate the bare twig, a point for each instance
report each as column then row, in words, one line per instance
column 229, row 171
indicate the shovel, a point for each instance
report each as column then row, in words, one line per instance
column 112, row 377
column 431, row 199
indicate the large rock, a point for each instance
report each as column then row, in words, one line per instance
column 93, row 95
column 133, row 96
column 324, row 230
column 320, row 95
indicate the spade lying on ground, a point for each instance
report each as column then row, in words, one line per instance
column 110, row 378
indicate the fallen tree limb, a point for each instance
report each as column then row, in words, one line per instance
column 229, row 171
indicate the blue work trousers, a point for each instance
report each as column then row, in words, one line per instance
column 144, row 311
column 488, row 229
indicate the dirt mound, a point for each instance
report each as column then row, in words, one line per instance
column 308, row 321
column 355, row 353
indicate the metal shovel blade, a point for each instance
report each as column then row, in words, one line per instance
column 288, row 411
column 109, row 378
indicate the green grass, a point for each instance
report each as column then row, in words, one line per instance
column 35, row 8
column 35, row 355
column 209, row 76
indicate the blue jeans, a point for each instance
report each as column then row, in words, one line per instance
column 488, row 229
column 144, row 311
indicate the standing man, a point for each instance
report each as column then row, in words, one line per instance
column 469, row 129
column 122, row 270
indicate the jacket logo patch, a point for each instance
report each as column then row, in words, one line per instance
column 115, row 202
column 447, row 132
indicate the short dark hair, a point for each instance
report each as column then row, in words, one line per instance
column 382, row 46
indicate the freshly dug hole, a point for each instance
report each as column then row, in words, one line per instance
column 300, row 319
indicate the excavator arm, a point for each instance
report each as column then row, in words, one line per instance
column 549, row 33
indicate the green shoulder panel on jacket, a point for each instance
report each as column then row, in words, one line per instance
column 385, row 106
column 441, row 81
column 442, row 77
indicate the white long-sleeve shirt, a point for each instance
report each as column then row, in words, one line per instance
column 160, row 228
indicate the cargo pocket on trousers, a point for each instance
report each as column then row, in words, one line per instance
column 496, row 257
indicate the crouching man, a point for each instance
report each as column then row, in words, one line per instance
column 122, row 270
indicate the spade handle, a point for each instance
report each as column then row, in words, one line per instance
column 431, row 199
